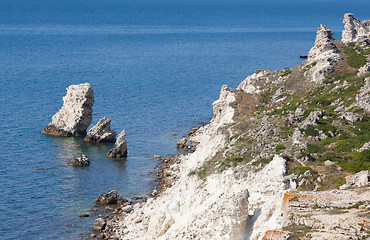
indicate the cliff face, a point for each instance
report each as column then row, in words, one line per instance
column 355, row 30
column 270, row 158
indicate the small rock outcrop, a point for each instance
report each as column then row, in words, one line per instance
column 101, row 132
column 252, row 83
column 363, row 98
column 99, row 224
column 355, row 30
column 312, row 119
column 323, row 56
column 120, row 147
column 364, row 70
column 360, row 179
column 75, row 116
column 80, row 161
column 351, row 117
column 112, row 197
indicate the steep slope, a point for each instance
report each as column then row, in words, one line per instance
column 266, row 165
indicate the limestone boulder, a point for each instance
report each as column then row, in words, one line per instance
column 363, row 97
column 101, row 132
column 360, row 179
column 80, row 161
column 112, row 197
column 75, row 116
column 99, row 224
column 312, row 119
column 120, row 147
column 364, row 70
column 351, row 117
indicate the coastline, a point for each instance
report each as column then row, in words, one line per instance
column 220, row 192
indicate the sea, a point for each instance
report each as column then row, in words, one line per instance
column 155, row 66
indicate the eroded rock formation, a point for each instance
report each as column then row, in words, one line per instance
column 101, row 132
column 323, row 56
column 355, row 30
column 120, row 147
column 75, row 116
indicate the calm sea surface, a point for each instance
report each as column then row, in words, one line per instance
column 155, row 67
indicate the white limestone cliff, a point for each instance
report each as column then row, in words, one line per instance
column 355, row 30
column 75, row 116
column 323, row 56
column 234, row 204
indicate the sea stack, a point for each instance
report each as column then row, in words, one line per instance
column 75, row 116
column 120, row 147
column 101, row 132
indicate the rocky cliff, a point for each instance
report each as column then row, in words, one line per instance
column 271, row 160
column 75, row 116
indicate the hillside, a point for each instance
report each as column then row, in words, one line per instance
column 273, row 161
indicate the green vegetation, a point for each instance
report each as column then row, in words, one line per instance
column 286, row 71
column 298, row 231
column 234, row 137
column 353, row 58
column 279, row 147
column 315, row 148
column 262, row 160
column 301, row 170
column 309, row 66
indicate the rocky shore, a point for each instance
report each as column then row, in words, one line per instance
column 270, row 163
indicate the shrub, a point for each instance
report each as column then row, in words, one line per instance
column 315, row 148
column 302, row 170
column 262, row 160
column 279, row 147
column 234, row 136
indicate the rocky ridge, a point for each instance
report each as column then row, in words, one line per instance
column 271, row 160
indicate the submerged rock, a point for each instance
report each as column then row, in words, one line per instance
column 82, row 215
column 112, row 197
column 75, row 116
column 101, row 132
column 120, row 147
column 80, row 161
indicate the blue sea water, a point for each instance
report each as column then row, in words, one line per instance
column 155, row 67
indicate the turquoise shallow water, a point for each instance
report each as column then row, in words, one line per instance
column 156, row 68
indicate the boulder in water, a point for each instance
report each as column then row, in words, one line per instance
column 80, row 161
column 75, row 116
column 120, row 147
column 112, row 197
column 101, row 132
